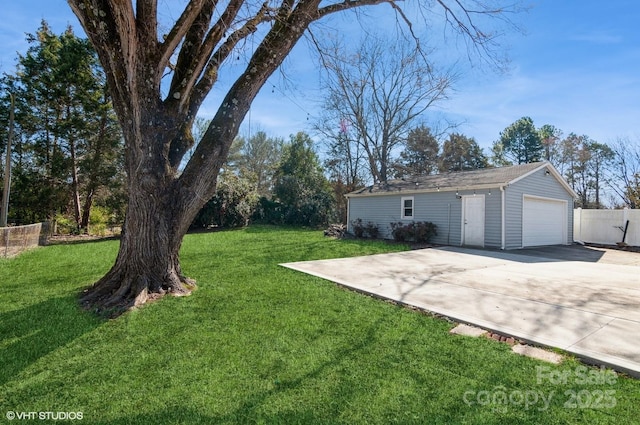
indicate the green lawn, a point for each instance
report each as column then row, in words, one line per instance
column 258, row 343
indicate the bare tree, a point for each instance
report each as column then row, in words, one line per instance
column 379, row 92
column 550, row 137
column 586, row 165
column 158, row 81
column 626, row 182
column 601, row 160
column 346, row 168
column 569, row 150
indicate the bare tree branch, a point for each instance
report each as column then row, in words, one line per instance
column 381, row 89
column 210, row 74
column 348, row 4
column 267, row 57
column 179, row 30
column 197, row 47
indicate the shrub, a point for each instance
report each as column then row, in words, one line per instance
column 235, row 201
column 99, row 219
column 358, row 228
column 65, row 225
column 401, row 232
column 421, row 231
column 424, row 231
column 315, row 210
column 268, row 211
column 298, row 204
column 361, row 230
column 299, row 186
column 372, row 230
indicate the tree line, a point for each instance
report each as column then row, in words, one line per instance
column 591, row 168
column 67, row 145
column 290, row 184
column 68, row 157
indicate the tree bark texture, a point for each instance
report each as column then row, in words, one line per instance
column 148, row 263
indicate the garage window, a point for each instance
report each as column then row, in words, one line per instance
column 407, row 208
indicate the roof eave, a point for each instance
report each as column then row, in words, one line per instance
column 427, row 190
column 552, row 170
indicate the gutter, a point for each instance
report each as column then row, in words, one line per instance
column 366, row 193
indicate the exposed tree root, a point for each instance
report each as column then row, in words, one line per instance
column 118, row 291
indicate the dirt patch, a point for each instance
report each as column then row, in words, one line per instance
column 74, row 239
column 626, row 248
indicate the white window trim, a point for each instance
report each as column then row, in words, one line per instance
column 413, row 208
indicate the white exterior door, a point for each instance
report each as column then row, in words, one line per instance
column 544, row 222
column 473, row 220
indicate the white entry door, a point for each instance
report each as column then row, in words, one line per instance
column 473, row 220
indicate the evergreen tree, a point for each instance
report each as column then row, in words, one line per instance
column 301, row 188
column 520, row 143
column 70, row 145
column 259, row 156
column 461, row 153
column 421, row 153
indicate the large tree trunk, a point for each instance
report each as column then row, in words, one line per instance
column 148, row 263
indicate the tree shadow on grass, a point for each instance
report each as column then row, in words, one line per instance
column 258, row 407
column 30, row 333
column 251, row 407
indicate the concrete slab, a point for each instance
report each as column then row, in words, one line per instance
column 590, row 309
column 467, row 330
column 537, row 353
column 613, row 345
column 584, row 254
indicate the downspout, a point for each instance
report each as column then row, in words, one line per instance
column 449, row 226
column 504, row 223
column 348, row 215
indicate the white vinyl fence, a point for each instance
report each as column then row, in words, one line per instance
column 606, row 226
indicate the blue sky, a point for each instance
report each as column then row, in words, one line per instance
column 577, row 66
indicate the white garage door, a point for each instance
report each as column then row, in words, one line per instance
column 544, row 222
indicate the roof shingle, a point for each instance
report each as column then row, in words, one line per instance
column 452, row 181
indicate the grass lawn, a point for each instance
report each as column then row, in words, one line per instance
column 258, row 343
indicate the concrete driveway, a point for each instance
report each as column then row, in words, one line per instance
column 585, row 301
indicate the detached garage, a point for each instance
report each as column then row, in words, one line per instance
column 508, row 208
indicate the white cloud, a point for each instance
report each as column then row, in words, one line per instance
column 598, row 37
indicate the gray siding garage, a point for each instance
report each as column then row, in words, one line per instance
column 508, row 208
